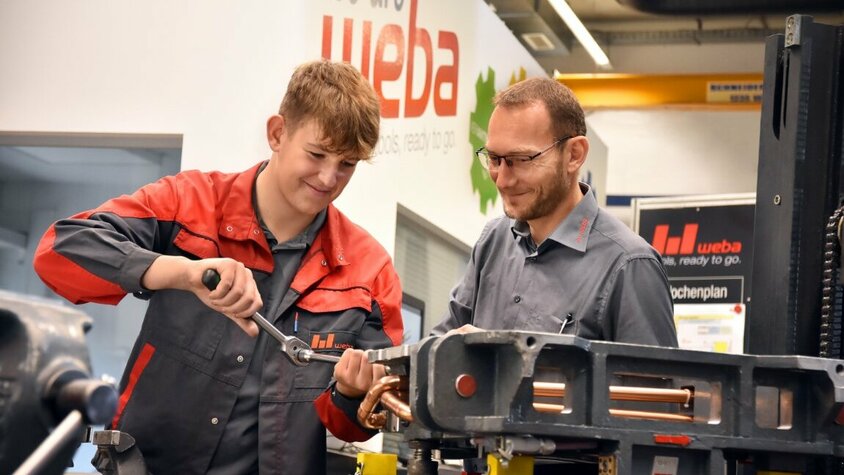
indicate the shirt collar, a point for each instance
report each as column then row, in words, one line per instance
column 302, row 240
column 574, row 230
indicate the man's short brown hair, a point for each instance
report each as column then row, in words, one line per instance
column 340, row 100
column 566, row 114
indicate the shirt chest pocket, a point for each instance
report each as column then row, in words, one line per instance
column 178, row 322
column 565, row 325
column 330, row 321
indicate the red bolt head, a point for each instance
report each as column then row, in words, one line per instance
column 465, row 385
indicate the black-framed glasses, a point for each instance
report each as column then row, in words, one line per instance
column 491, row 161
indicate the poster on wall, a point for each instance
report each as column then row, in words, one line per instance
column 436, row 75
column 706, row 244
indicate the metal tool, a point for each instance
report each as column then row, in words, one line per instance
column 299, row 352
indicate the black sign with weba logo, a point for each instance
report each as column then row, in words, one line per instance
column 706, row 250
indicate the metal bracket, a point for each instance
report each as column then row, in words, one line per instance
column 607, row 465
column 792, row 31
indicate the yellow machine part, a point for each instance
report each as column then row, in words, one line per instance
column 376, row 464
column 518, row 465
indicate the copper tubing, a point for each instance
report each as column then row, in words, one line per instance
column 549, row 408
column 366, row 412
column 633, row 393
column 659, row 416
column 620, row 393
column 630, row 414
column 543, row 389
column 387, row 391
column 392, row 400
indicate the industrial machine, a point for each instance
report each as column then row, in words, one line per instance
column 47, row 395
column 610, row 408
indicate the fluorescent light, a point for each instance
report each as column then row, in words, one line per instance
column 581, row 33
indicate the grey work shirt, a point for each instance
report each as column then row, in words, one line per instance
column 237, row 452
column 592, row 277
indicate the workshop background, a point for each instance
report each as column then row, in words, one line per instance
column 100, row 97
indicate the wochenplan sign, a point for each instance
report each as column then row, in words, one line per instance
column 706, row 247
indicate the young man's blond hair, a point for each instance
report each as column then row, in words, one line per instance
column 341, row 102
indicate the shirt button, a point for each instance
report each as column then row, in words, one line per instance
column 255, row 232
column 531, row 259
column 324, row 263
column 229, row 228
column 517, row 298
column 214, row 420
column 240, row 358
column 340, row 257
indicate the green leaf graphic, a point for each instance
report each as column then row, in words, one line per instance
column 478, row 122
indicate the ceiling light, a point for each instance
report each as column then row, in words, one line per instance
column 581, row 33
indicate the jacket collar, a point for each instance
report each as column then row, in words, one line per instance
column 331, row 240
column 239, row 221
column 327, row 254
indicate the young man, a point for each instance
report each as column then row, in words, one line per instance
column 200, row 393
column 557, row 262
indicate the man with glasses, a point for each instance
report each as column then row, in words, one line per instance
column 556, row 262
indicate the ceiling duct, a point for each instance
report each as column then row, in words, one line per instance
column 722, row 7
column 529, row 27
column 538, row 41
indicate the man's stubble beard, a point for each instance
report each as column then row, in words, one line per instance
column 547, row 199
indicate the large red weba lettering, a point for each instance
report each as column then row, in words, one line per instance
column 385, row 70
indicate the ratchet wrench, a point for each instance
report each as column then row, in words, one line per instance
column 299, row 352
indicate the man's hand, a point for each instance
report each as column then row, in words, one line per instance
column 355, row 375
column 236, row 296
column 467, row 328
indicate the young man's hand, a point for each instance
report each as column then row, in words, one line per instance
column 355, row 375
column 236, row 296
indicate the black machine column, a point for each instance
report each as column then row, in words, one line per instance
column 798, row 190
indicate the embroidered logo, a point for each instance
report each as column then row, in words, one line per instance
column 326, row 342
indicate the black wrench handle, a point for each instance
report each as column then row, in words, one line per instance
column 211, row 278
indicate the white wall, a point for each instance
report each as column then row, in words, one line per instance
column 665, row 151
column 211, row 70
column 594, row 170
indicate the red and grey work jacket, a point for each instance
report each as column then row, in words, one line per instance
column 188, row 362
